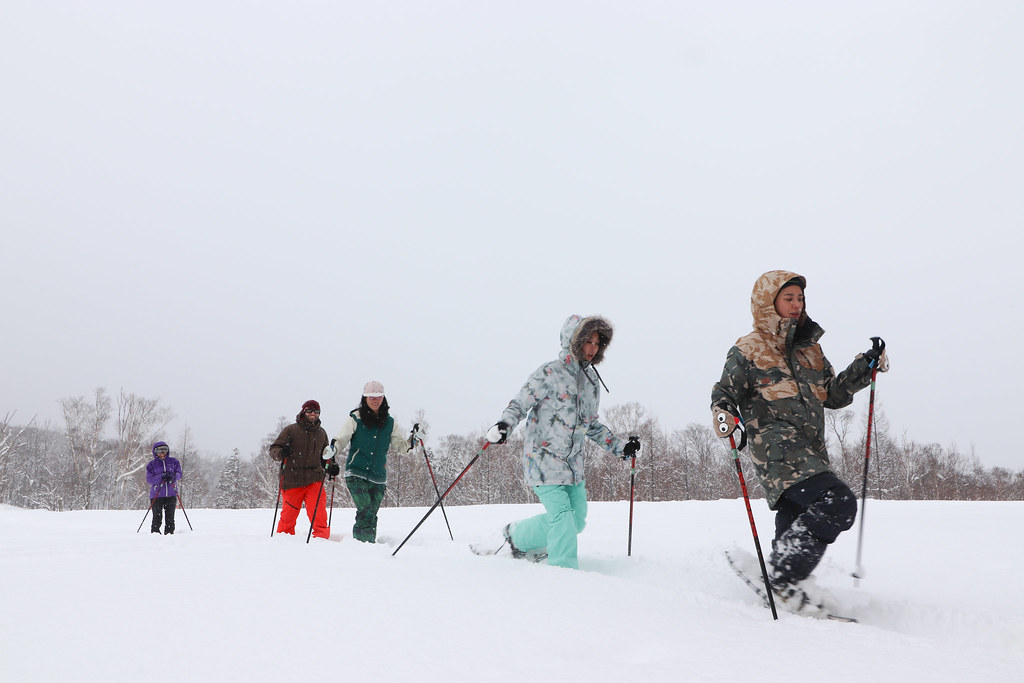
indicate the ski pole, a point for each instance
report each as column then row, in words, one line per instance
column 750, row 516
column 858, row 572
column 280, row 485
column 330, row 515
column 182, row 505
column 316, row 506
column 442, row 496
column 632, row 480
column 436, row 490
column 147, row 515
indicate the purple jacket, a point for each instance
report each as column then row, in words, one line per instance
column 158, row 488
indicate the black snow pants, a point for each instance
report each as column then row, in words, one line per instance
column 161, row 506
column 809, row 516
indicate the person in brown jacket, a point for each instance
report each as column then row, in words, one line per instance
column 299, row 448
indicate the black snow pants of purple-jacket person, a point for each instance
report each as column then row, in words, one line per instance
column 163, row 507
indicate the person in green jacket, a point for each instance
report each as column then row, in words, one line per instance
column 369, row 432
column 778, row 382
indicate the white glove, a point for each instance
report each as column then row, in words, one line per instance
column 418, row 433
column 330, row 451
column 498, row 433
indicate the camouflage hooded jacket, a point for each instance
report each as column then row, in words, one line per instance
column 560, row 401
column 780, row 381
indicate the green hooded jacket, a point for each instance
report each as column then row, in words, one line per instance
column 368, row 453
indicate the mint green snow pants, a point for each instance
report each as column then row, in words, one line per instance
column 556, row 529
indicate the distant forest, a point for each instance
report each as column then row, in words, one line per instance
column 97, row 459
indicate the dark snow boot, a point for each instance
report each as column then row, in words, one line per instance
column 795, row 554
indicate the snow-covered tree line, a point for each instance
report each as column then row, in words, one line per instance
column 97, row 459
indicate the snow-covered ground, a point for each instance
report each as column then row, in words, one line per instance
column 86, row 598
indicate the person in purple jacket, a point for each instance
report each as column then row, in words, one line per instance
column 163, row 473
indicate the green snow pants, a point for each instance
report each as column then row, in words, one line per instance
column 367, row 497
column 565, row 515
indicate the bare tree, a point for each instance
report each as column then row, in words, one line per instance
column 85, row 422
column 75, row 466
column 10, row 441
column 48, row 472
column 453, row 454
column 844, row 458
column 139, row 422
column 409, row 481
column 709, row 463
column 194, row 483
column 607, row 478
column 266, row 471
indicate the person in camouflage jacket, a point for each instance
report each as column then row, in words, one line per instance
column 778, row 382
column 560, row 402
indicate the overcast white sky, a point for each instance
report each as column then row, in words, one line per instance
column 238, row 206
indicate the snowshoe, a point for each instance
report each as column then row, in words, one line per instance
column 501, row 545
column 803, row 599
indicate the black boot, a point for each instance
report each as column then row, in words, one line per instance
column 795, row 554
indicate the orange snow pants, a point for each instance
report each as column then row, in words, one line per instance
column 293, row 500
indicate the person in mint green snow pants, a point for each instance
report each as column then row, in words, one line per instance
column 560, row 402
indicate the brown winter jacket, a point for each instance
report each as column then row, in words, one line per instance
column 301, row 446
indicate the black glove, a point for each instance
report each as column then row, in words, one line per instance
column 333, row 469
column 631, row 447
column 167, row 476
column 876, row 354
column 498, row 433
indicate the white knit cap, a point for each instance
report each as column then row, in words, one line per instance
column 373, row 388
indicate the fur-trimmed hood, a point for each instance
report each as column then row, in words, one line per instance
column 577, row 329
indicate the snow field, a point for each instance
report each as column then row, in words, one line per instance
column 87, row 598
